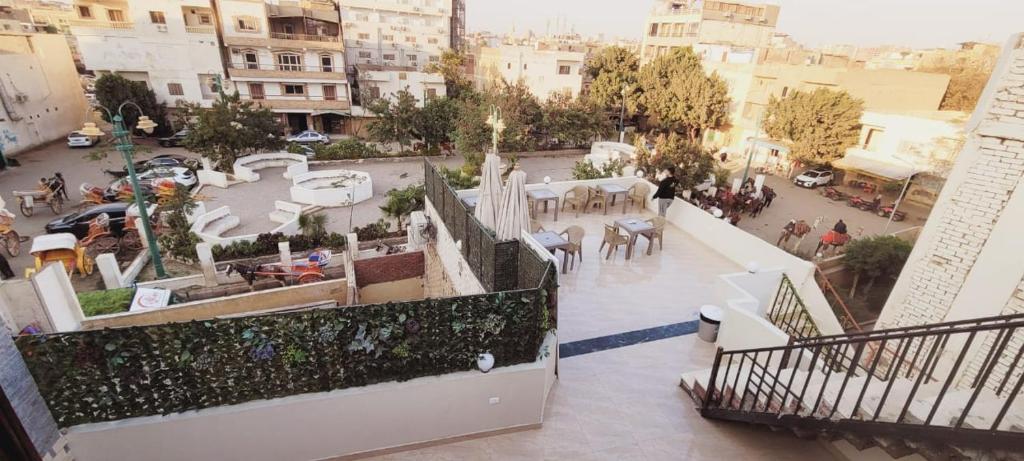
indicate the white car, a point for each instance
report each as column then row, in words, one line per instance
column 309, row 136
column 76, row 139
column 180, row 175
column 814, row 178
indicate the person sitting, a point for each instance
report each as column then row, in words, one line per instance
column 840, row 227
column 787, row 232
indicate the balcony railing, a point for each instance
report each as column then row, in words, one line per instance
column 306, row 37
column 287, row 67
column 199, row 29
column 102, row 24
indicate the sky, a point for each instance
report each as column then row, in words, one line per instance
column 913, row 23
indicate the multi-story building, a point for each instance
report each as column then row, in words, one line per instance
column 14, row 19
column 544, row 68
column 970, row 54
column 171, row 45
column 289, row 57
column 410, row 33
column 721, row 31
column 55, row 15
column 40, row 97
column 384, row 82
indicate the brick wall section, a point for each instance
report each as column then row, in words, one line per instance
column 437, row 284
column 1014, row 306
column 389, row 268
column 976, row 206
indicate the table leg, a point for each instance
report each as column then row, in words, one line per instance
column 565, row 261
column 629, row 246
column 624, row 203
column 556, row 208
column 606, row 204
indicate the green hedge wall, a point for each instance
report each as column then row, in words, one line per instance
column 104, row 375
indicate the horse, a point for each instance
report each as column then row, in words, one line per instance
column 250, row 272
column 831, row 240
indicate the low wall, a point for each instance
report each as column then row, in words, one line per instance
column 605, row 151
column 290, row 227
column 457, row 269
column 294, row 164
column 330, row 196
column 329, row 290
column 350, row 421
column 391, row 278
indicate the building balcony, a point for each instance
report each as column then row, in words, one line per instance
column 200, row 29
column 304, row 37
column 242, row 70
column 286, row 40
column 299, row 103
column 98, row 24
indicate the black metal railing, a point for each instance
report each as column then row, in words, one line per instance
column 953, row 383
column 789, row 313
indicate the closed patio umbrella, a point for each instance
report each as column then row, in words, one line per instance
column 489, row 202
column 514, row 215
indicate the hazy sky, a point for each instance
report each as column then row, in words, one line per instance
column 917, row 23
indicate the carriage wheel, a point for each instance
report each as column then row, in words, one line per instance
column 104, row 244
column 12, row 243
column 25, row 209
column 57, row 204
column 310, row 277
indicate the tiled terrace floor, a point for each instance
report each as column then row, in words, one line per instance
column 625, row 403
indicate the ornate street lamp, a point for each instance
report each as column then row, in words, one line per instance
column 497, row 126
column 622, row 114
column 127, row 150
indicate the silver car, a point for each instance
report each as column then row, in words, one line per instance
column 309, row 136
column 76, row 139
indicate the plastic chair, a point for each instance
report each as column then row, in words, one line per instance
column 658, row 233
column 613, row 239
column 574, row 234
column 638, row 194
column 577, row 197
column 596, row 198
column 535, row 226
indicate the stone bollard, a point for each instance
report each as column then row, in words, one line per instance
column 284, row 249
column 110, row 270
column 205, row 253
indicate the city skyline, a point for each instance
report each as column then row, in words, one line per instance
column 815, row 23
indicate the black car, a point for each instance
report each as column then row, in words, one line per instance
column 164, row 160
column 173, row 140
column 78, row 223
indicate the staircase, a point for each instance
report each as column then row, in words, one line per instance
column 941, row 391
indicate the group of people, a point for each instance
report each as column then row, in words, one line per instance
column 748, row 200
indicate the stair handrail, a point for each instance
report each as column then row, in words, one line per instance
column 846, row 314
column 875, row 334
column 789, row 313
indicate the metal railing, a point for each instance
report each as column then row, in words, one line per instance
column 289, row 68
column 789, row 313
column 125, row 25
column 952, row 383
column 199, row 29
column 306, row 37
column 846, row 318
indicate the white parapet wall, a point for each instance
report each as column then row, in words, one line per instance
column 331, row 188
column 359, row 420
column 606, row 151
column 294, row 164
column 211, row 226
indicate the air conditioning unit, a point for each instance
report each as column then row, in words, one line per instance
column 763, row 19
column 727, row 14
column 161, row 27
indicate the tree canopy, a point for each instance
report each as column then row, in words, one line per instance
column 818, row 126
column 230, row 129
column 876, row 256
column 569, row 121
column 678, row 95
column 520, row 111
column 966, row 82
column 395, row 120
column 451, row 65
column 693, row 163
column 611, row 69
column 436, row 121
column 112, row 90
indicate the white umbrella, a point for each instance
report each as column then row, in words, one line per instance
column 514, row 215
column 489, row 202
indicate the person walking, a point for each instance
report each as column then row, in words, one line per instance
column 787, row 232
column 666, row 191
column 5, row 269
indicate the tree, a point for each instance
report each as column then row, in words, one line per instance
column 966, row 82
column 520, row 111
column 313, row 225
column 693, row 163
column 436, row 121
column 873, row 257
column 610, row 69
column 395, row 119
column 678, row 95
column 230, row 129
column 178, row 239
column 573, row 122
column 452, row 65
column 112, row 90
column 818, row 126
column 401, row 202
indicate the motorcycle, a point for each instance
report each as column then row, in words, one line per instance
column 863, row 205
column 887, row 210
column 832, row 193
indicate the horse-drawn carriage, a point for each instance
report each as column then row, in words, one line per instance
column 301, row 271
column 50, row 192
column 62, row 248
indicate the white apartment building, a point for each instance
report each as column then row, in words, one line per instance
column 721, row 31
column 40, row 97
column 288, row 56
column 410, row 33
column 384, row 82
column 542, row 68
column 169, row 44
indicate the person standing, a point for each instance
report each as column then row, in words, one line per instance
column 5, row 269
column 666, row 191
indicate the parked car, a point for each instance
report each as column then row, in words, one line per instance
column 180, row 175
column 166, row 161
column 173, row 140
column 309, row 136
column 76, row 139
column 304, row 150
column 78, row 223
column 814, row 178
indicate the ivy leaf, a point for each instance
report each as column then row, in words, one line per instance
column 110, row 347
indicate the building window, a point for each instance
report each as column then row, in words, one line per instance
column 175, row 89
column 362, row 17
column 785, row 91
column 256, row 91
column 250, row 60
column 364, row 36
column 508, row 66
column 84, row 12
column 293, row 90
column 288, row 29
column 326, row 63
column 654, row 30
column 412, row 57
column 246, row 24
column 432, row 40
column 115, row 15
column 330, row 93
column 410, row 39
column 431, row 92
column 289, row 61
column 205, row 19
column 389, row 57
column 157, row 17
column 524, row 66
column 365, row 54
column 435, row 59
column 374, row 92
column 563, row 70
column 402, row 76
column 208, row 85
column 388, row 38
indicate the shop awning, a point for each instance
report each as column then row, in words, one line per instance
column 876, row 164
column 768, row 144
column 334, row 112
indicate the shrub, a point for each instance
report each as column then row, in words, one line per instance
column 402, row 202
column 583, row 169
column 266, row 245
column 373, row 231
column 346, row 149
column 877, row 256
column 103, row 302
column 459, row 179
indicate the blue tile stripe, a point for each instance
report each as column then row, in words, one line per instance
column 629, row 338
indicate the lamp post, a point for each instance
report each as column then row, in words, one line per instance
column 497, row 126
column 127, row 150
column 622, row 115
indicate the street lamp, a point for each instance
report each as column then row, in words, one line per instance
column 622, row 115
column 903, row 192
column 127, row 149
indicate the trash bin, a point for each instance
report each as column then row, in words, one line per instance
column 710, row 320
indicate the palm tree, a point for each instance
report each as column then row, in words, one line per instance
column 314, row 225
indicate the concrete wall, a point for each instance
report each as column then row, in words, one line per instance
column 410, row 289
column 330, row 290
column 456, row 269
column 537, row 68
column 42, row 99
column 324, row 425
column 53, row 287
column 22, row 306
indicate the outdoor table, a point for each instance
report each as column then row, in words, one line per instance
column 543, row 195
column 634, row 227
column 610, row 191
column 471, row 202
column 551, row 241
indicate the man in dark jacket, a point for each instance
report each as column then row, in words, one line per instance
column 666, row 191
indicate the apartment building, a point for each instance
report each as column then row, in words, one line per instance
column 289, row 57
column 14, row 19
column 544, row 68
column 384, row 82
column 407, row 33
column 721, row 31
column 171, row 45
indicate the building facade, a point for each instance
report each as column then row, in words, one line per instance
column 385, row 82
column 290, row 58
column 171, row 45
column 544, row 69
column 408, row 33
column 721, row 31
column 41, row 99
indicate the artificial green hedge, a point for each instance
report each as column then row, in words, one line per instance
column 105, row 375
